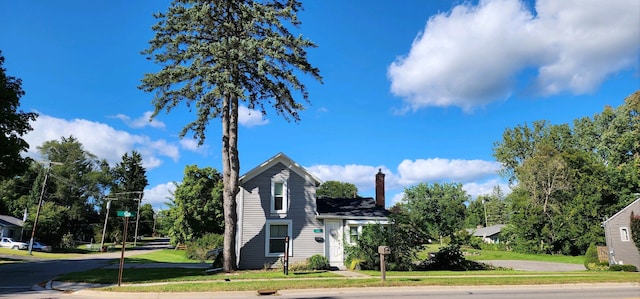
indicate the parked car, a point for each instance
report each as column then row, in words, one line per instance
column 37, row 246
column 10, row 243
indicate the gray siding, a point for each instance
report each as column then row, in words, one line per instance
column 624, row 252
column 255, row 211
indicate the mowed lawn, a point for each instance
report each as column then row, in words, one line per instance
column 194, row 280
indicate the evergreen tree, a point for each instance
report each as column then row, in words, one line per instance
column 216, row 55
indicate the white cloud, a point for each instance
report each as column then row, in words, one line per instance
column 159, row 195
column 191, row 144
column 93, row 136
column 362, row 176
column 250, row 118
column 436, row 169
column 472, row 55
column 411, row 173
column 485, row 188
column 140, row 122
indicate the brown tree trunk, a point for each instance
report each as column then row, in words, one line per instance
column 230, row 170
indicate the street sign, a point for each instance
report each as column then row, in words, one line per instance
column 126, row 214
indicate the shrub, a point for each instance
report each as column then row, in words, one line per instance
column 623, row 268
column 198, row 248
column 591, row 256
column 450, row 257
column 298, row 266
column 67, row 241
column 318, row 262
column 597, row 266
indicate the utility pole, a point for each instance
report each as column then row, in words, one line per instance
column 135, row 239
column 35, row 222
column 485, row 213
column 106, row 218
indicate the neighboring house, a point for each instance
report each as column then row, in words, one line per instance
column 278, row 199
column 489, row 234
column 11, row 227
column 617, row 231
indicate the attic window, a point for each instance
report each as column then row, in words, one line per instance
column 278, row 197
column 624, row 234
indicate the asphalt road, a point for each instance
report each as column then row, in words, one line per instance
column 19, row 278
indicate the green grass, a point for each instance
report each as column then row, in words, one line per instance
column 37, row 254
column 110, row 276
column 161, row 256
column 475, row 255
column 450, row 279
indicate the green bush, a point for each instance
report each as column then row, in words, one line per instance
column 591, row 256
column 623, row 268
column 450, row 257
column 318, row 262
column 198, row 248
column 67, row 241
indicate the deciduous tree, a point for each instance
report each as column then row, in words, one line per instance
column 216, row 55
column 13, row 125
column 335, row 189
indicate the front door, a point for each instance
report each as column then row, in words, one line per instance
column 333, row 247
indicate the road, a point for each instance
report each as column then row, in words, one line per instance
column 19, row 278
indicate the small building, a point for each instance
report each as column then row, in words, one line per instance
column 277, row 199
column 11, row 227
column 489, row 234
column 617, row 231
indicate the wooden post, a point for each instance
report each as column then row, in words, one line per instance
column 383, row 269
column 285, row 260
column 124, row 244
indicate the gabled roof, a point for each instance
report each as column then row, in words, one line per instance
column 623, row 210
column 486, row 231
column 6, row 220
column 361, row 207
column 280, row 158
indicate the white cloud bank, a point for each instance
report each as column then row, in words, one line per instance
column 99, row 139
column 478, row 176
column 472, row 55
column 159, row 195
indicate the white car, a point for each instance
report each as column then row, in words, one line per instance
column 10, row 243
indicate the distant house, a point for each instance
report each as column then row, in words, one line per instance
column 489, row 234
column 617, row 231
column 278, row 199
column 11, row 227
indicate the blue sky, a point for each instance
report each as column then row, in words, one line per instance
column 421, row 89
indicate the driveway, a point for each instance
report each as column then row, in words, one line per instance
column 535, row 265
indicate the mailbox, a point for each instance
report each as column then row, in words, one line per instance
column 384, row 250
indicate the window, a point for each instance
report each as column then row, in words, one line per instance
column 624, row 234
column 353, row 234
column 277, row 230
column 278, row 197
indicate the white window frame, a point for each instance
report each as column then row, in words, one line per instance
column 358, row 228
column 624, row 234
column 285, row 197
column 267, row 237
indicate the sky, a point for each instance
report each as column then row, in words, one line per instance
column 420, row 89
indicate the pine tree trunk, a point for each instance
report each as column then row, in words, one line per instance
column 230, row 170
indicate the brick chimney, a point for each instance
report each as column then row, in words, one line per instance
column 380, row 189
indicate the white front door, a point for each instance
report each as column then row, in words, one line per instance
column 333, row 245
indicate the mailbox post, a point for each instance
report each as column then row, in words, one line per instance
column 383, row 251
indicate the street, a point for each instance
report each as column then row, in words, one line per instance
column 19, row 278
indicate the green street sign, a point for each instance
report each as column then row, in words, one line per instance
column 317, row 230
column 126, row 214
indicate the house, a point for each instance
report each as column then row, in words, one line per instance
column 617, row 231
column 11, row 227
column 489, row 234
column 278, row 199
